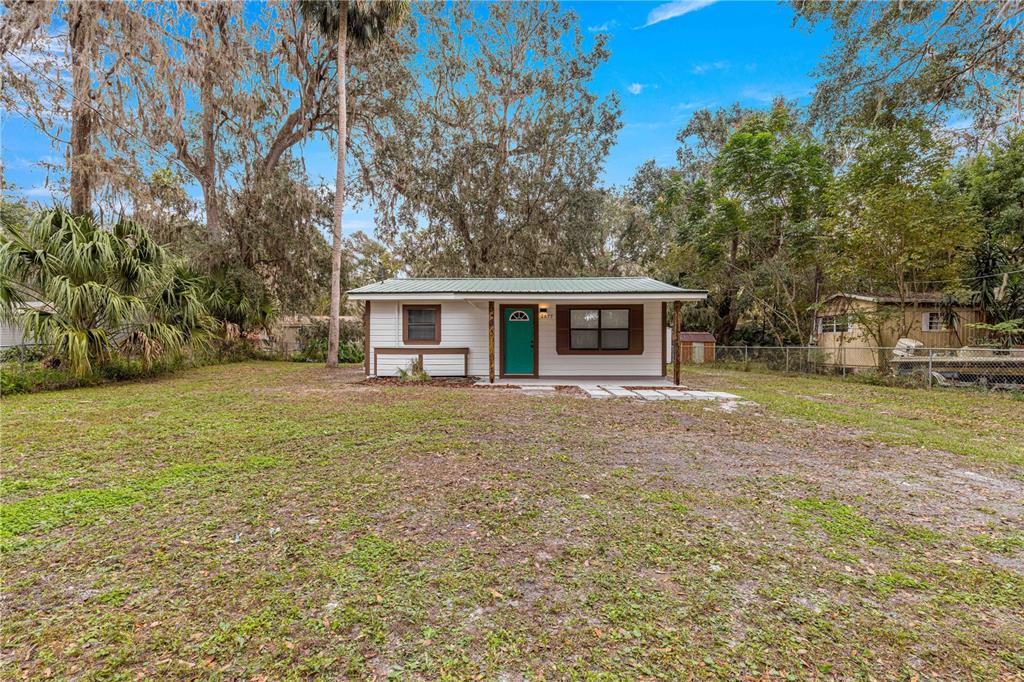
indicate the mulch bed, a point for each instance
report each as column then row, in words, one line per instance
column 443, row 382
column 460, row 382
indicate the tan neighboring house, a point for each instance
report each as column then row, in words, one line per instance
column 851, row 328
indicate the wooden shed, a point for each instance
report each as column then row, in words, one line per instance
column 696, row 348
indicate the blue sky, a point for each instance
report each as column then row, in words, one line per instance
column 668, row 60
column 710, row 54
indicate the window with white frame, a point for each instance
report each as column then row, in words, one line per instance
column 934, row 322
column 834, row 324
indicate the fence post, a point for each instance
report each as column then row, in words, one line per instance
column 746, row 358
column 931, row 354
column 786, row 349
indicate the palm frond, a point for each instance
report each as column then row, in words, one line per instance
column 88, row 291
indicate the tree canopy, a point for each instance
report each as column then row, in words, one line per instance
column 492, row 168
column 900, row 59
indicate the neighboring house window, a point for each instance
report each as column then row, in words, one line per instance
column 421, row 324
column 835, row 324
column 934, row 322
column 594, row 330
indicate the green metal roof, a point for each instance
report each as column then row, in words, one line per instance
column 523, row 285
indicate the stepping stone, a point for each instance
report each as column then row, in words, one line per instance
column 721, row 395
column 676, row 395
column 647, row 394
column 620, row 392
column 702, row 395
column 538, row 388
column 596, row 392
column 713, row 395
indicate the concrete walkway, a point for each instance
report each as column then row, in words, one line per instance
column 580, row 382
column 644, row 388
column 608, row 391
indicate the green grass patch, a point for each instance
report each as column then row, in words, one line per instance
column 1001, row 544
column 982, row 426
column 284, row 521
column 841, row 522
column 43, row 512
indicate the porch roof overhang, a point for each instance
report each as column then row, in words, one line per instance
column 526, row 289
column 529, row 298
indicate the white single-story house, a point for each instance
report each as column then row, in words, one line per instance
column 11, row 333
column 569, row 327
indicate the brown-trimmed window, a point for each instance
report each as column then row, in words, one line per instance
column 599, row 330
column 421, row 324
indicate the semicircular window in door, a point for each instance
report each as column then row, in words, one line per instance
column 518, row 316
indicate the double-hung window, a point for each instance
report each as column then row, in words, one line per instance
column 935, row 322
column 835, row 324
column 599, row 329
column 421, row 324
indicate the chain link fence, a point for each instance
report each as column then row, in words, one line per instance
column 1001, row 368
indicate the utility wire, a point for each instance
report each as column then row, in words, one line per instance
column 971, row 279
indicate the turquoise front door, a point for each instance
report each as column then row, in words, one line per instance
column 518, row 339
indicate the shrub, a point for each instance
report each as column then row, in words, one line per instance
column 90, row 292
column 415, row 371
column 23, row 354
column 313, row 342
column 31, row 377
column 234, row 349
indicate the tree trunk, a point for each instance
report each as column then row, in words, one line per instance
column 211, row 202
column 339, row 193
column 211, row 205
column 81, row 114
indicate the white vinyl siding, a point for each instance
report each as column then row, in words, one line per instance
column 646, row 364
column 10, row 335
column 464, row 325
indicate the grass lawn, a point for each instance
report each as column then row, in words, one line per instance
column 278, row 521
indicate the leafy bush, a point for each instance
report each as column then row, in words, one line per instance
column 31, row 377
column 23, row 354
column 90, row 292
column 40, row 376
column 313, row 342
column 876, row 378
column 234, row 349
column 35, row 376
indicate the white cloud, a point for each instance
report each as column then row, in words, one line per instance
column 41, row 162
column 709, row 66
column 767, row 94
column 959, row 122
column 603, row 28
column 691, row 106
column 635, row 88
column 677, row 8
column 39, row 192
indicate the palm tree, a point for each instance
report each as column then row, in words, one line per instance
column 361, row 23
column 86, row 291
